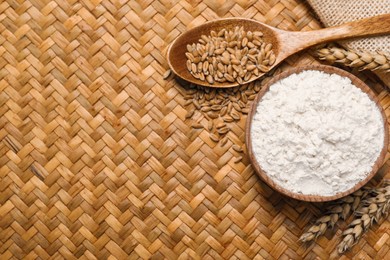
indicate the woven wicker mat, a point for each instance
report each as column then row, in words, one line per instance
column 98, row 160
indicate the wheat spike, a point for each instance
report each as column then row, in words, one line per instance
column 361, row 60
column 373, row 209
column 339, row 209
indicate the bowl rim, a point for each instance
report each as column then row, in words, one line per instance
column 330, row 70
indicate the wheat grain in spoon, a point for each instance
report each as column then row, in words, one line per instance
column 284, row 43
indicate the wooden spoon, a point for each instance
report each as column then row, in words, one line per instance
column 285, row 43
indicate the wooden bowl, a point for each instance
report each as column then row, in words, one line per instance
column 315, row 198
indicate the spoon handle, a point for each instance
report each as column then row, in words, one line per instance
column 296, row 41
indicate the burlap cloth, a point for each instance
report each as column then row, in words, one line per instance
column 335, row 12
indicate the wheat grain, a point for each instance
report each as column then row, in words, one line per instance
column 237, row 148
column 221, row 106
column 211, row 59
column 166, row 74
column 238, row 159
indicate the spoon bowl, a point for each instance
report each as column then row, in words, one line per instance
column 284, row 43
column 178, row 48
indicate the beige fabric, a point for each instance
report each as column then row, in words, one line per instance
column 334, row 12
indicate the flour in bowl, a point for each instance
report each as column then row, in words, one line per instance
column 316, row 133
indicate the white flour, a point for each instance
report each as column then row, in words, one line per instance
column 316, row 133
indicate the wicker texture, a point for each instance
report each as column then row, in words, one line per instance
column 98, row 159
